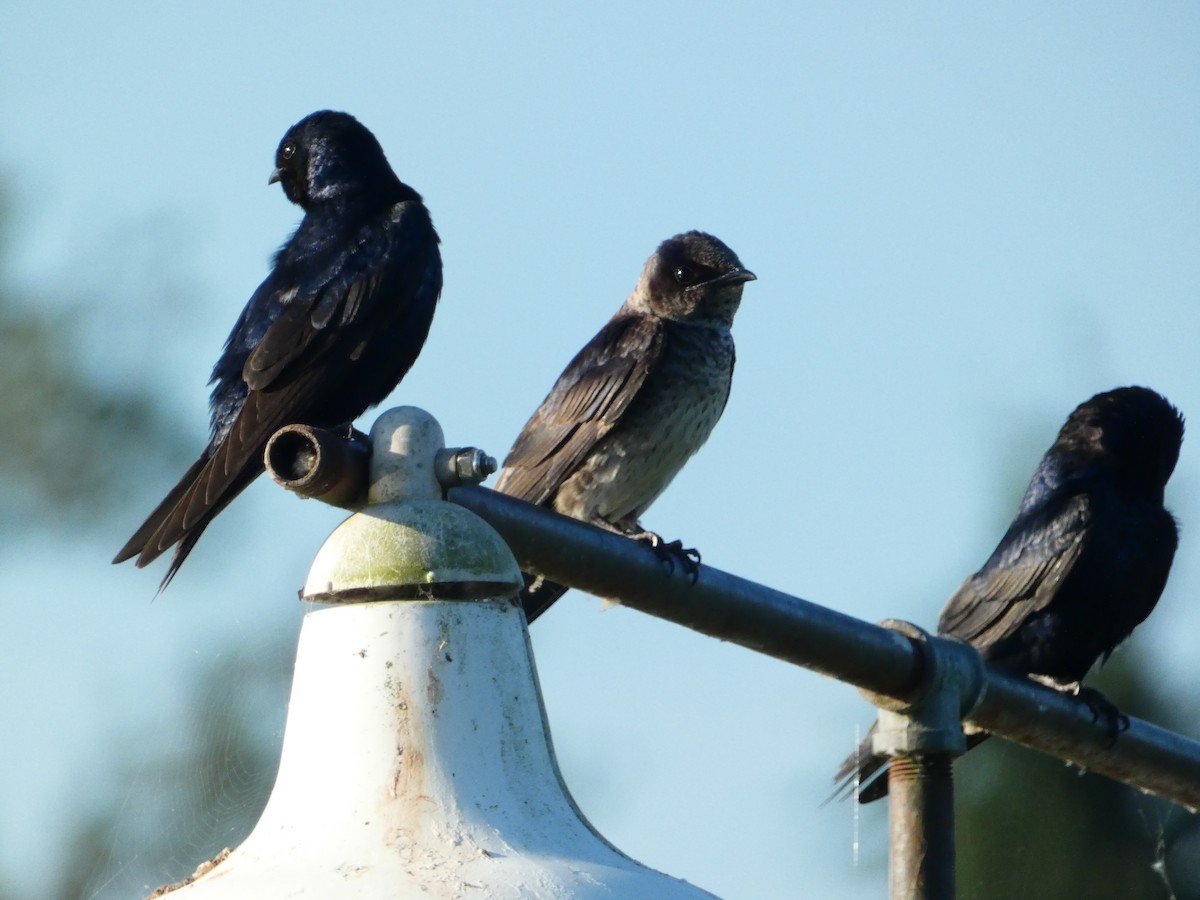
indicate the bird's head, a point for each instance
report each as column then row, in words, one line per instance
column 1135, row 430
column 330, row 155
column 692, row 277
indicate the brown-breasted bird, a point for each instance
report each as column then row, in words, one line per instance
column 636, row 402
column 1083, row 563
column 330, row 332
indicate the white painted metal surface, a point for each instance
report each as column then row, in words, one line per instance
column 416, row 760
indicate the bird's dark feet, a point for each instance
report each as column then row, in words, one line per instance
column 670, row 552
column 1103, row 709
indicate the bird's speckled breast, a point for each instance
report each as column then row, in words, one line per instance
column 676, row 409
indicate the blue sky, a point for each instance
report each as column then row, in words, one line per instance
column 965, row 221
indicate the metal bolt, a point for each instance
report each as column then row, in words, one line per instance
column 456, row 466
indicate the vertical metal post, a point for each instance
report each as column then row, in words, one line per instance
column 921, row 736
column 921, row 794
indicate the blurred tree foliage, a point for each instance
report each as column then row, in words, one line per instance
column 69, row 442
column 77, row 438
column 1028, row 826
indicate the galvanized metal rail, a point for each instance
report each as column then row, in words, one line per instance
column 880, row 661
column 926, row 686
column 876, row 659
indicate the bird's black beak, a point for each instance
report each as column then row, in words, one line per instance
column 275, row 176
column 737, row 276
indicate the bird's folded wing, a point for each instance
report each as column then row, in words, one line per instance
column 1022, row 575
column 368, row 284
column 589, row 398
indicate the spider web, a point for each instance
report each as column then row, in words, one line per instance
column 196, row 788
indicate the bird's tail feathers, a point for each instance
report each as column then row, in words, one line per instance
column 140, row 544
column 203, row 492
column 863, row 774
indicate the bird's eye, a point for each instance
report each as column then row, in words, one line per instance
column 684, row 274
column 288, row 150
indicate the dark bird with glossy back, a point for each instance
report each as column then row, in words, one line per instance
column 636, row 402
column 1083, row 563
column 329, row 333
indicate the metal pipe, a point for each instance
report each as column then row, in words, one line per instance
column 332, row 466
column 921, row 822
column 715, row 603
column 323, row 465
column 1145, row 756
column 730, row 608
column 921, row 735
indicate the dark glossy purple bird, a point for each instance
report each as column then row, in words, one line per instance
column 330, row 332
column 636, row 402
column 1083, row 563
